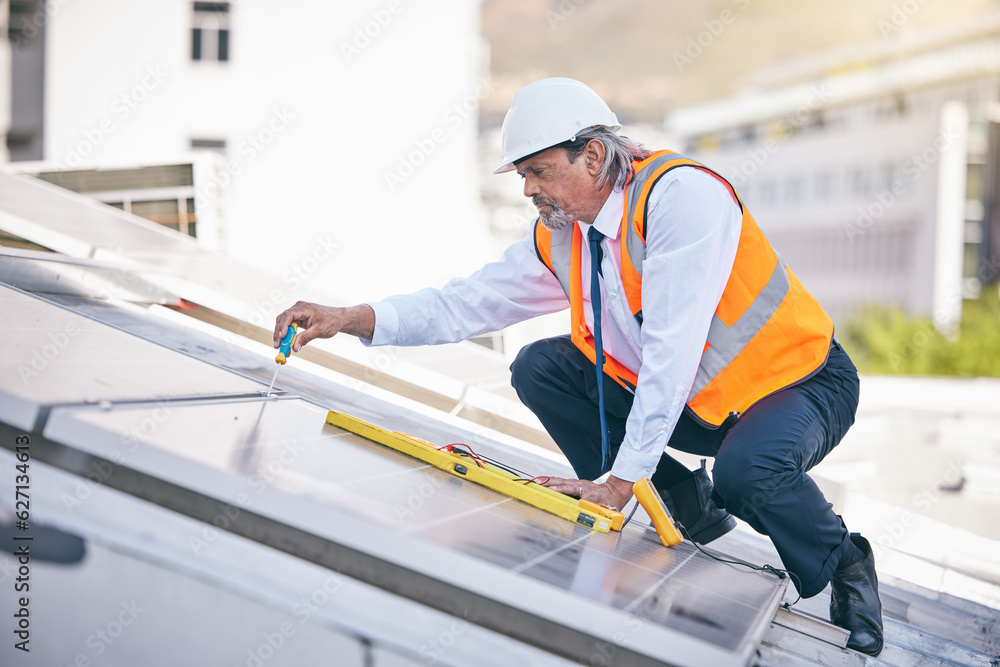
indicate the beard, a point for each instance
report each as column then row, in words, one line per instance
column 556, row 218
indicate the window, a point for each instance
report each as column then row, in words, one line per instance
column 768, row 193
column 861, row 182
column 27, row 19
column 794, row 191
column 177, row 214
column 824, row 185
column 161, row 193
column 210, row 31
column 218, row 145
column 888, row 176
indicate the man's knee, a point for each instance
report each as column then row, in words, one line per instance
column 539, row 362
column 527, row 365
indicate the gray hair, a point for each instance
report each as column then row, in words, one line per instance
column 619, row 154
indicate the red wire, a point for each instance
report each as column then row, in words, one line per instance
column 472, row 455
column 481, row 463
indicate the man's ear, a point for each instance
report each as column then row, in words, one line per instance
column 593, row 153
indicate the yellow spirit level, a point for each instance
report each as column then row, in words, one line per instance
column 588, row 514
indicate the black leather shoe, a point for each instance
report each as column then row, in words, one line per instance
column 854, row 601
column 690, row 502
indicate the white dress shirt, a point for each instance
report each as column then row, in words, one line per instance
column 693, row 230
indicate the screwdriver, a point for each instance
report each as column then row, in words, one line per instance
column 284, row 351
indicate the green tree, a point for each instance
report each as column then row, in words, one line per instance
column 887, row 341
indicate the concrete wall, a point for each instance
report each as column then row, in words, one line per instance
column 350, row 130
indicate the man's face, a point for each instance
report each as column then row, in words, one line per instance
column 560, row 189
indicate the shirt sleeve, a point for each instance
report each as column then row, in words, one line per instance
column 515, row 288
column 693, row 231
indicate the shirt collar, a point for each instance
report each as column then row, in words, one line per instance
column 608, row 221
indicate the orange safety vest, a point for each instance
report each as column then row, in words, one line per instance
column 767, row 333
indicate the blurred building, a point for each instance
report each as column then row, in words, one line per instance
column 308, row 138
column 873, row 170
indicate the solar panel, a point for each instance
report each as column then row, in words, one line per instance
column 138, row 551
column 281, row 451
column 51, row 356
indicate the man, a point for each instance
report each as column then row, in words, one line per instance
column 687, row 331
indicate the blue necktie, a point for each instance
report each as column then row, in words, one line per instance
column 596, row 255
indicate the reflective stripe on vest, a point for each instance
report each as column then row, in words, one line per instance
column 726, row 342
column 777, row 334
column 554, row 252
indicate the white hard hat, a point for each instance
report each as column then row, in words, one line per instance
column 548, row 112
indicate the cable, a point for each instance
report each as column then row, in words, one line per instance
column 520, row 475
column 629, row 517
column 456, row 447
column 503, row 466
column 533, row 479
column 776, row 571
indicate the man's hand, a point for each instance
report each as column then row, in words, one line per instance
column 316, row 321
column 614, row 492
